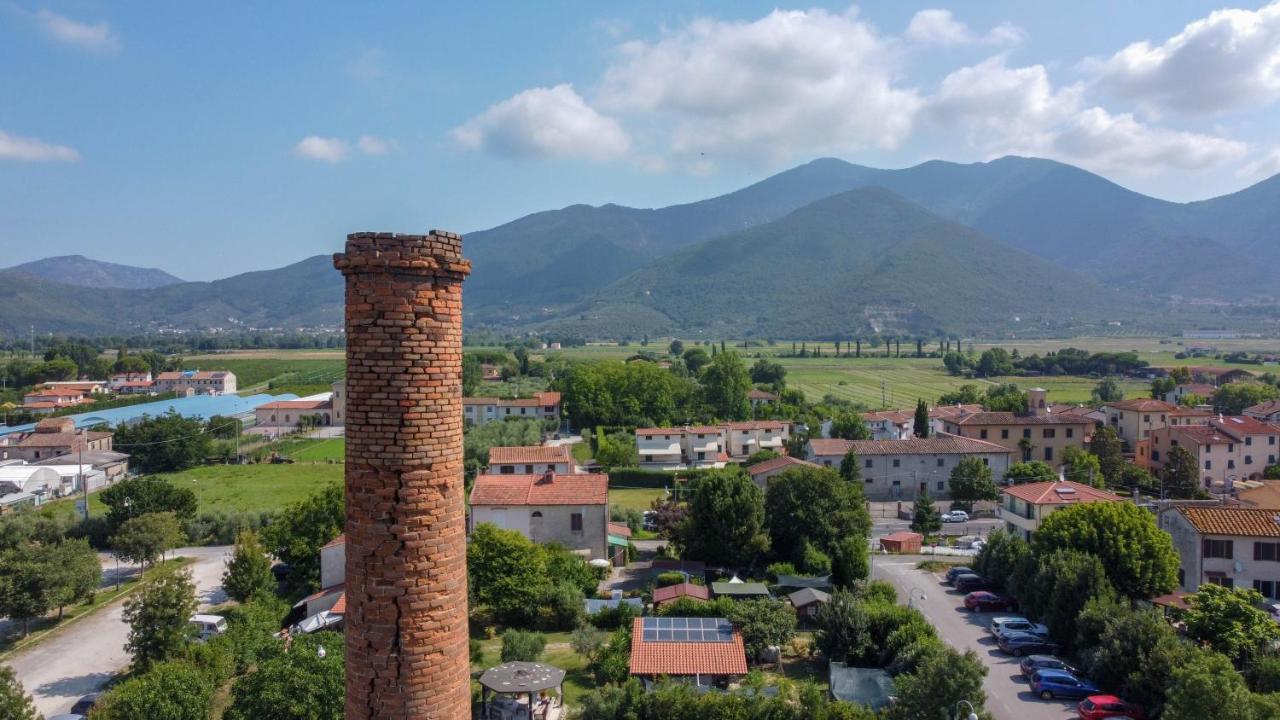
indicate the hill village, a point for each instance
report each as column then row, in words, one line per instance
column 735, row 553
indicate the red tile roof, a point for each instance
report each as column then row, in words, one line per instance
column 894, row 416
column 944, row 411
column 679, row 590
column 686, row 658
column 539, row 490
column 755, row 425
column 940, row 444
column 1265, row 408
column 1204, row 390
column 538, row 400
column 1142, row 405
column 340, row 607
column 340, row 540
column 1240, row 426
column 1060, row 492
column 297, row 405
column 755, row 394
column 1008, row 418
column 1251, row 522
column 619, row 529
column 767, row 466
column 530, row 454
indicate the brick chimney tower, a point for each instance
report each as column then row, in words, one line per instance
column 406, row 585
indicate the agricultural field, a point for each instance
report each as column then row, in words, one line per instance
column 297, row 371
column 635, row 498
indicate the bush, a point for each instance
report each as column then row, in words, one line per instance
column 814, row 561
column 563, row 607
column 780, row 568
column 221, row 528
column 169, row 691
column 522, row 646
column 296, row 684
column 671, row 577
column 615, row 617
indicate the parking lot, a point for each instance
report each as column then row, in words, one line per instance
column 1009, row 696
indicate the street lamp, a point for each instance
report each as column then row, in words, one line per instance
column 911, row 596
column 973, row 715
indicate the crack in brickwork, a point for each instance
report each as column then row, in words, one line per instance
column 406, row 618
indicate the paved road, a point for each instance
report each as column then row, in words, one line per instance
column 83, row 656
column 1008, row 695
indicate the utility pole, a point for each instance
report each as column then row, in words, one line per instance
column 884, row 403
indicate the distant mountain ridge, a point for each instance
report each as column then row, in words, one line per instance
column 81, row 271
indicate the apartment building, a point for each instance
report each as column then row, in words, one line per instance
column 52, row 437
column 1023, row 507
column 902, row 469
column 197, row 382
column 1228, row 546
column 1268, row 411
column 531, row 459
column 481, row 410
column 890, row 424
column 1035, row 434
column 675, row 448
column 1133, row 420
column 1227, row 449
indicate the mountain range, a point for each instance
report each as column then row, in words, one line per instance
column 825, row 248
column 81, row 271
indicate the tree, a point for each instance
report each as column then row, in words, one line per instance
column 766, row 372
column 941, row 681
column 815, row 507
column 224, row 428
column 1162, row 386
column 168, row 691
column 1138, row 556
column 472, row 374
column 145, row 538
column 955, row 363
column 134, row 497
column 295, row 684
column 726, row 520
column 587, row 642
column 925, row 518
column 669, row 515
column 1207, row 687
column 921, row 425
column 676, row 347
column 158, row 616
column 843, row 627
column 1005, row 398
column 506, row 571
column 850, row 561
column 966, row 394
column 993, row 362
column 1180, row 476
column 1064, row 581
column 1003, row 554
column 248, row 570
column 616, row 450
column 15, row 703
column 1083, row 467
column 1230, row 621
column 763, row 624
column 300, row 530
column 522, row 646
column 760, row 456
column 695, row 359
column 849, row 425
column 1233, row 398
column 971, row 481
column 1108, row 390
column 1128, row 651
column 725, row 384
column 1107, row 447
column 166, row 443
column 72, row 571
column 1027, row 472
column 851, row 467
column 24, row 586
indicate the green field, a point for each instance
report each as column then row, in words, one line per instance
column 635, row 498
column 299, row 372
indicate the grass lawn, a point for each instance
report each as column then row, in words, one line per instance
column 635, row 498
column 43, row 627
column 309, row 450
column 582, row 452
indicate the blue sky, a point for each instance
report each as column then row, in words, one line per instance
column 209, row 139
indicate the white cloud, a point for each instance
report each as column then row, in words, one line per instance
column 1017, row 110
column 1229, row 60
column 16, row 147
column 330, row 150
column 97, row 37
column 373, row 145
column 1264, row 166
column 789, row 83
column 939, row 27
column 545, row 123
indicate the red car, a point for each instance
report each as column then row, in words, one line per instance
column 983, row 601
column 1102, row 707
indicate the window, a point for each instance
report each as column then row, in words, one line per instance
column 1004, row 434
column 941, row 461
column 1271, row 439
column 575, row 522
column 1268, row 588
column 941, row 485
column 1155, row 455
column 1248, row 459
column 1208, row 464
column 536, row 514
column 1266, row 551
column 1026, row 433
column 1219, row 548
column 897, row 462
column 1048, row 453
column 1231, row 447
column 986, row 461
column 648, row 458
column 1071, row 432
column 982, row 434
column 1248, row 440
column 1222, row 580
column 1231, row 464
column 508, row 470
column 528, row 469
column 1048, row 432
column 868, row 479
column 867, row 463
column 1146, row 418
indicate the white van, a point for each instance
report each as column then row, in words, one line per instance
column 208, row 626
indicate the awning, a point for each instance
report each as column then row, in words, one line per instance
column 618, row 540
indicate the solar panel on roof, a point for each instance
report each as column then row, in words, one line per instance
column 708, row 630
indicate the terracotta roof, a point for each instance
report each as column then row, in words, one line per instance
column 538, row 400
column 686, row 658
column 1251, row 522
column 530, row 454
column 539, row 490
column 1265, row 408
column 1190, row 412
column 1008, row 418
column 903, row 535
column 755, row 394
column 893, row 416
column 695, row 430
column 480, row 401
column 1265, row 495
column 1201, row 389
column 340, row 607
column 619, row 529
column 679, row 590
column 940, row 444
column 1240, row 426
column 1060, row 492
column 58, row 392
column 340, row 540
column 775, row 463
column 297, row 405
column 755, row 425
column 1142, row 405
column 1202, row 434
column 945, row 411
column 46, row 439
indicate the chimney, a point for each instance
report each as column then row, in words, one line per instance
column 406, row 562
column 547, row 478
column 1037, row 402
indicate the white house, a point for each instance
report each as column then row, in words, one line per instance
column 901, row 469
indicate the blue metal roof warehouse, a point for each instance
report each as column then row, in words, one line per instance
column 197, row 406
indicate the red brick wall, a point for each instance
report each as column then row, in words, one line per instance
column 406, row 618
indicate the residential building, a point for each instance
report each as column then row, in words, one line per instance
column 1190, row 416
column 47, row 399
column 572, row 510
column 1268, row 411
column 481, row 410
column 1204, row 391
column 1133, row 420
column 339, row 402
column 1228, row 546
column 332, row 596
column 1036, row 434
column 762, row 471
column 1023, row 507
column 284, row 416
column 901, row 469
column 759, row 398
column 703, row 651
column 1260, row 494
column 120, row 380
column 198, row 382
column 890, row 424
column 940, row 413
column 675, row 448
column 88, row 387
column 529, row 460
column 52, row 437
column 1226, row 448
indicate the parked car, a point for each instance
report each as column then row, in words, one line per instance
column 67, row 716
column 987, row 601
column 1013, row 623
column 208, row 626
column 649, row 520
column 1108, row 707
column 1050, row 684
column 85, row 704
column 280, row 571
column 1023, row 643
column 956, row 571
column 970, row 582
column 955, row 516
column 1032, row 663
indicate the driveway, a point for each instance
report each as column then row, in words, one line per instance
column 83, row 656
column 1009, row 697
